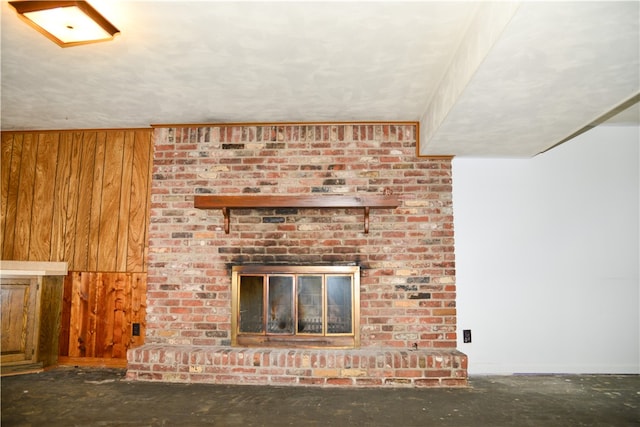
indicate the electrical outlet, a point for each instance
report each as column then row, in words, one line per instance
column 466, row 335
column 135, row 330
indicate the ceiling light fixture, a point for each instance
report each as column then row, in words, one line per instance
column 67, row 23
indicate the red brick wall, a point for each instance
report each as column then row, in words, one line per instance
column 407, row 259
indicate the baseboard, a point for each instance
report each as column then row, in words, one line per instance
column 19, row 369
column 96, row 362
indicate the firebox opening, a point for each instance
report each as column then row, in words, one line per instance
column 296, row 306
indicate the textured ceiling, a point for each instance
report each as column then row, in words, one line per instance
column 483, row 79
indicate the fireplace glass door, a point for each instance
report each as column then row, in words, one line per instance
column 296, row 306
column 339, row 304
column 310, row 306
column 252, row 304
column 280, row 305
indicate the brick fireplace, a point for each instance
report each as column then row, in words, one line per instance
column 404, row 254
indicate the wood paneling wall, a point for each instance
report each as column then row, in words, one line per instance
column 77, row 196
column 98, row 312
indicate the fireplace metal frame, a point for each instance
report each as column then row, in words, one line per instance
column 295, row 340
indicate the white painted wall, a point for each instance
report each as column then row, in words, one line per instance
column 547, row 256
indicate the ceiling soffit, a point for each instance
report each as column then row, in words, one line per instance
column 554, row 69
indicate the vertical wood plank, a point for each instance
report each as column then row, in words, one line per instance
column 25, row 198
column 6, row 183
column 140, row 202
column 84, row 341
column 104, row 332
column 50, row 316
column 127, row 313
column 100, row 311
column 107, row 248
column 138, row 306
column 125, row 201
column 96, row 201
column 65, row 318
column 73, row 200
column 44, row 185
column 80, row 295
column 85, row 193
column 95, row 284
column 147, row 198
column 119, row 319
column 12, row 197
column 60, row 197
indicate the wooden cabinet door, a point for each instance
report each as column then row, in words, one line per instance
column 19, row 320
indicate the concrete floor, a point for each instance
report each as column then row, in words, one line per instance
column 101, row 397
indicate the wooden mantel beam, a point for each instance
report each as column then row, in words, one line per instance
column 226, row 203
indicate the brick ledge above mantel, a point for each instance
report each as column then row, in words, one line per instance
column 368, row 367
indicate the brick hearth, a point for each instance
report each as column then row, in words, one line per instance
column 319, row 367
